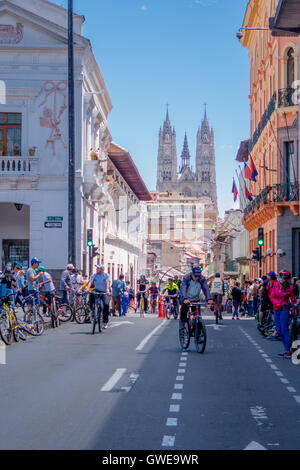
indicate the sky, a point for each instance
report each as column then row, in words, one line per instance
column 181, row 52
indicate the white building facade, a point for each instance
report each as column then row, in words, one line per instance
column 34, row 138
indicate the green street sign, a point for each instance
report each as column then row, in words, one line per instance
column 55, row 219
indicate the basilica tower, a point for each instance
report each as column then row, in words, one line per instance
column 206, row 162
column 167, row 157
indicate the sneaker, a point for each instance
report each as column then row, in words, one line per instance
column 286, row 354
column 237, row 318
column 232, row 318
column 105, row 326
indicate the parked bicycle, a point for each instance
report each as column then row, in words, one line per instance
column 9, row 325
column 33, row 318
column 194, row 328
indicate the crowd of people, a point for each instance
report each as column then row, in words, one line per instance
column 272, row 293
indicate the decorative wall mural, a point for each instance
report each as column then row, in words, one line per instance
column 10, row 34
column 52, row 117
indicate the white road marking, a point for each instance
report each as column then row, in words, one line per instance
column 254, row 446
column 274, row 367
column 148, row 337
column 113, row 380
column 181, row 371
column 174, row 408
column 114, row 324
column 172, row 422
column 284, row 381
column 180, row 378
column 168, row 441
column 269, row 361
column 178, row 386
column 177, row 396
column 291, row 389
column 183, row 358
column 297, row 398
column 2, row 353
column 280, row 374
column 182, row 364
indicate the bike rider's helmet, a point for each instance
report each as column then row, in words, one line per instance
column 285, row 274
column 143, row 277
column 197, row 271
column 153, row 283
column 217, row 275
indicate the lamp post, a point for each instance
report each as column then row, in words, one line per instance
column 71, row 177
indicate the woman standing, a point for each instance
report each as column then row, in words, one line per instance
column 281, row 294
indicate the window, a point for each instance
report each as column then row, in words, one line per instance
column 290, row 68
column 10, row 132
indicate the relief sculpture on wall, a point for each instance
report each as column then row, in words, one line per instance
column 52, row 117
column 10, row 34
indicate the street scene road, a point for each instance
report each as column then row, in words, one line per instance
column 132, row 387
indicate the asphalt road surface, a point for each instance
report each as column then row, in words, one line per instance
column 132, row 388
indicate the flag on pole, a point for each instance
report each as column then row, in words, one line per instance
column 234, row 191
column 247, row 172
column 253, row 170
column 247, row 194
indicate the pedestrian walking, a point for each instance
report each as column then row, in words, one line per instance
column 281, row 294
column 237, row 298
column 117, row 292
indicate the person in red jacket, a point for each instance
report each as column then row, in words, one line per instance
column 281, row 294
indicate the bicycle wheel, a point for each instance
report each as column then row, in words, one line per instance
column 22, row 333
column 95, row 318
column 168, row 311
column 35, row 326
column 184, row 337
column 217, row 317
column 64, row 312
column 5, row 329
column 200, row 337
column 16, row 328
column 80, row 315
column 175, row 313
column 99, row 320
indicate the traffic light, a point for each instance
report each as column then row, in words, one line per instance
column 90, row 237
column 260, row 240
column 255, row 254
column 95, row 251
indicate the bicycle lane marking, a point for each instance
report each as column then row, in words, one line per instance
column 143, row 343
column 172, row 421
column 273, row 367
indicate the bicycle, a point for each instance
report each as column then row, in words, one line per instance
column 82, row 312
column 170, row 308
column 9, row 324
column 53, row 309
column 295, row 326
column 194, row 327
column 153, row 304
column 97, row 314
column 142, row 304
column 33, row 318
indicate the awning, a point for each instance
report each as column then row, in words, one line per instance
column 287, row 18
column 124, row 163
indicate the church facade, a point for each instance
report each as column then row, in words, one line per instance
column 200, row 183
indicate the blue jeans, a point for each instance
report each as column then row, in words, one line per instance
column 255, row 305
column 250, row 308
column 236, row 305
column 282, row 319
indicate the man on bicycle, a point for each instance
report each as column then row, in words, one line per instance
column 153, row 292
column 142, row 291
column 170, row 293
column 190, row 290
column 101, row 281
column 33, row 281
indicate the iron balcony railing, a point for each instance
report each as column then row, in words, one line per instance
column 287, row 97
column 264, row 121
column 277, row 193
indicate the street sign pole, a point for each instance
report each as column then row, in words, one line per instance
column 71, row 186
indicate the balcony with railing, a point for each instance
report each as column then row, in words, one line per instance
column 279, row 196
column 18, row 167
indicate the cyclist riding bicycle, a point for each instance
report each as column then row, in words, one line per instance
column 171, row 292
column 142, row 291
column 266, row 304
column 190, row 290
column 101, row 281
column 153, row 293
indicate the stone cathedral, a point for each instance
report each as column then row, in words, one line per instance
column 200, row 183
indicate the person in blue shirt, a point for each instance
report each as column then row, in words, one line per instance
column 101, row 282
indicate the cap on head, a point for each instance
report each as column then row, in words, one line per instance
column 197, row 271
column 41, row 268
column 35, row 260
column 99, row 266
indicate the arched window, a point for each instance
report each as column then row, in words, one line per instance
column 290, row 68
